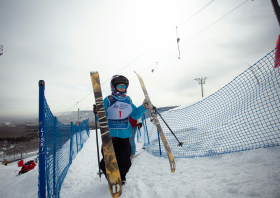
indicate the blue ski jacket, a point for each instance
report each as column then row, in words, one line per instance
column 136, row 113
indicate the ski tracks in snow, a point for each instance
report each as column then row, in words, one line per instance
column 254, row 173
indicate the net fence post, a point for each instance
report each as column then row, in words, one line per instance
column 80, row 131
column 76, row 138
column 54, row 154
column 42, row 165
column 88, row 127
column 71, row 143
column 158, row 140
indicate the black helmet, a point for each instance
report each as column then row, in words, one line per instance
column 119, row 80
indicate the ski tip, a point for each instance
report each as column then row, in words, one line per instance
column 93, row 72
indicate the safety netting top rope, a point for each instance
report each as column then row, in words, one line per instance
column 243, row 115
column 62, row 143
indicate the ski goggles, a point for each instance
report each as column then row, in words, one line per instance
column 122, row 86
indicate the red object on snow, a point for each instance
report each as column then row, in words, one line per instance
column 25, row 167
column 277, row 53
column 20, row 163
column 30, row 166
column 33, row 163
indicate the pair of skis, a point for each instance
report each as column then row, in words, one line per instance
column 112, row 169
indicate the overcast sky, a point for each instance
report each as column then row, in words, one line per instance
column 60, row 42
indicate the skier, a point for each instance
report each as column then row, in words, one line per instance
column 134, row 124
column 118, row 107
column 24, row 169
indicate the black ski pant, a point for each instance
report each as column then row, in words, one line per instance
column 122, row 151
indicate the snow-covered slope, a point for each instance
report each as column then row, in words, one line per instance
column 11, row 185
column 254, row 173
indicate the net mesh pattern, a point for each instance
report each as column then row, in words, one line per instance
column 243, row 115
column 62, row 143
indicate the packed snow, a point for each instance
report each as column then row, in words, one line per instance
column 254, row 173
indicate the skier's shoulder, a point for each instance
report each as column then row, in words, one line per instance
column 106, row 101
column 128, row 97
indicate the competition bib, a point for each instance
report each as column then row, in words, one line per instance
column 118, row 112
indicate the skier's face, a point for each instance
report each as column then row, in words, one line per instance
column 122, row 89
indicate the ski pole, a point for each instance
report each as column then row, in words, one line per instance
column 95, row 112
column 180, row 143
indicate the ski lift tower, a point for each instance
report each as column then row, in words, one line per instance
column 1, row 50
column 201, row 81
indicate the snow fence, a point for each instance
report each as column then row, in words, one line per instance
column 58, row 145
column 243, row 115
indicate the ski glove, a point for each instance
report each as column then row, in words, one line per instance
column 139, row 126
column 145, row 104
